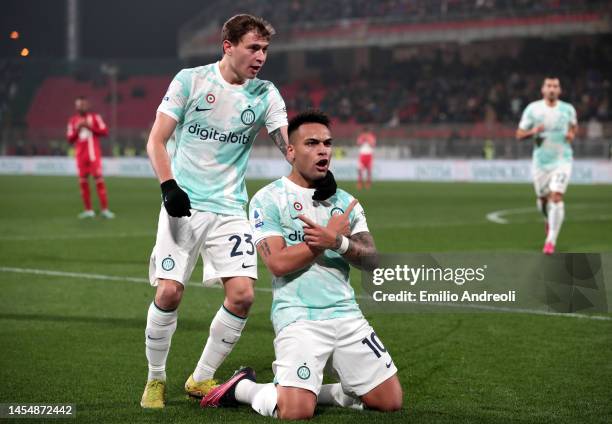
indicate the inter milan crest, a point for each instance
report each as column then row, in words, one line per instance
column 168, row 264
column 247, row 116
column 303, row 372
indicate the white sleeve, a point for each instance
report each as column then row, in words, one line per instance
column 358, row 220
column 175, row 100
column 264, row 217
column 276, row 115
column 526, row 120
column 573, row 118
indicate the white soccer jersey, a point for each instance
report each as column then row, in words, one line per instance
column 217, row 123
column 322, row 290
column 555, row 150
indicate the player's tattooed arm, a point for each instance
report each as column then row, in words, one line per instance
column 361, row 252
column 281, row 259
column 263, row 248
column 281, row 139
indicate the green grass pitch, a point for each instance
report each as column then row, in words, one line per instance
column 72, row 338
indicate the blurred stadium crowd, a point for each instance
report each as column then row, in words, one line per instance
column 431, row 91
column 438, row 85
column 313, row 12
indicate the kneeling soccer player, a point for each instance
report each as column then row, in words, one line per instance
column 307, row 243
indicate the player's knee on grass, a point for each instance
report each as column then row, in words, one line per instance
column 169, row 294
column 239, row 295
column 386, row 397
column 294, row 403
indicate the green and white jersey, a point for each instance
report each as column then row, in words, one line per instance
column 554, row 149
column 217, row 123
column 322, row 290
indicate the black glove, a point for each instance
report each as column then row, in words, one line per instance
column 176, row 201
column 325, row 187
column 538, row 140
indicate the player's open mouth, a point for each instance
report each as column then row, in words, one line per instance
column 322, row 165
column 255, row 68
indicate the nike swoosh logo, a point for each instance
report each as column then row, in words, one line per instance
column 201, row 110
column 229, row 343
column 154, row 338
column 247, row 266
column 389, row 364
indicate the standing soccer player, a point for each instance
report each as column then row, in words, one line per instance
column 366, row 142
column 553, row 125
column 84, row 131
column 308, row 244
column 215, row 112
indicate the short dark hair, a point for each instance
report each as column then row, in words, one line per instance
column 237, row 26
column 81, row 97
column 312, row 116
column 551, row 76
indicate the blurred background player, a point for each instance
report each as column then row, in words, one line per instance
column 553, row 125
column 307, row 245
column 215, row 112
column 366, row 140
column 84, row 131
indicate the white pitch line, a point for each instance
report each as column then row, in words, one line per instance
column 103, row 277
column 525, row 311
column 77, row 236
column 498, row 216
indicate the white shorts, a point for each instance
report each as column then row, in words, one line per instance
column 358, row 356
column 225, row 243
column 555, row 180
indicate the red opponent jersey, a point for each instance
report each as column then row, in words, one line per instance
column 366, row 142
column 86, row 137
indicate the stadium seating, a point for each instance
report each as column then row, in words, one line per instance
column 138, row 98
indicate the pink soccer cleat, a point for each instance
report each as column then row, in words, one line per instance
column 549, row 248
column 225, row 394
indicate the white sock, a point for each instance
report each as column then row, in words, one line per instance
column 556, row 214
column 332, row 394
column 264, row 399
column 246, row 390
column 225, row 330
column 158, row 335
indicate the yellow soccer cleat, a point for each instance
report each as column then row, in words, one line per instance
column 199, row 389
column 154, row 396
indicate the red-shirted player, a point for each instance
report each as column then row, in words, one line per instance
column 84, row 131
column 366, row 142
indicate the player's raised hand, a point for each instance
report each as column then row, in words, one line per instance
column 341, row 223
column 176, row 201
column 318, row 236
column 81, row 123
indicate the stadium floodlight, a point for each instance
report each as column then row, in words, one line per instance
column 112, row 71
